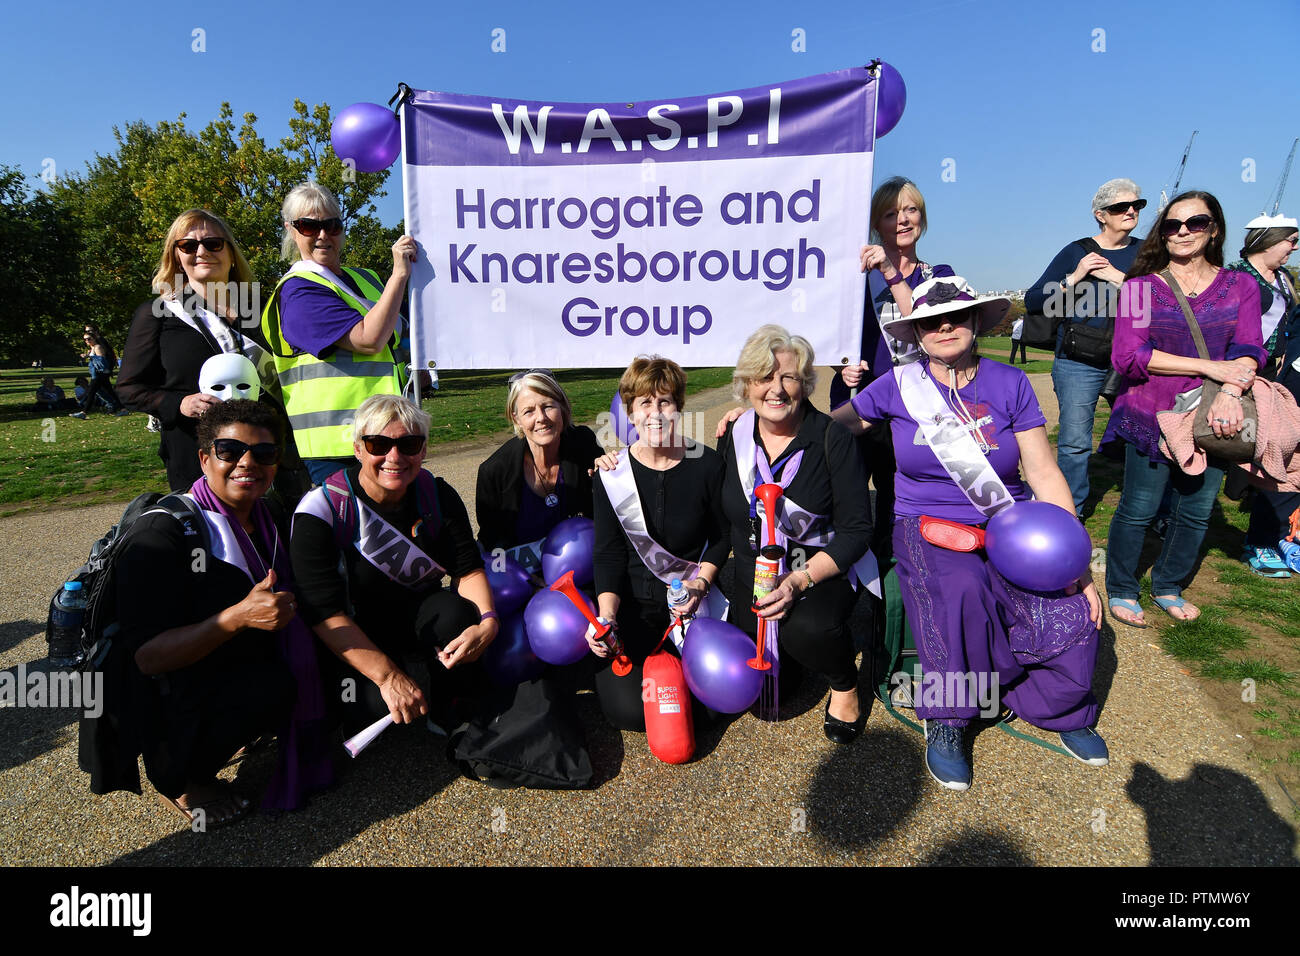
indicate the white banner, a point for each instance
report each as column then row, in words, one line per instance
column 582, row 235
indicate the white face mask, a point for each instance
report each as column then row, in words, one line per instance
column 229, row 375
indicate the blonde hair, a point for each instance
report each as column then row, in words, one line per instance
column 302, row 199
column 169, row 265
column 543, row 383
column 887, row 199
column 758, row 359
column 378, row 411
column 650, row 375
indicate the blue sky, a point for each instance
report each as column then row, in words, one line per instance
column 1013, row 92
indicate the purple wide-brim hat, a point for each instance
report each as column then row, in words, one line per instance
column 948, row 294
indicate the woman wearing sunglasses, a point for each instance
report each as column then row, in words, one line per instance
column 1036, row 650
column 1078, row 289
column 372, row 586
column 208, row 630
column 540, row 477
column 332, row 330
column 1156, row 353
column 203, row 281
column 101, row 362
column 894, row 269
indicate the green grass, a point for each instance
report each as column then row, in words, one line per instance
column 61, row 461
column 998, row 348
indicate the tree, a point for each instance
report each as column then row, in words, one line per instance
column 123, row 204
column 40, row 254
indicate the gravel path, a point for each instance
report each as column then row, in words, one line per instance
column 1180, row 788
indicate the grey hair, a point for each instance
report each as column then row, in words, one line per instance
column 758, row 359
column 1109, row 190
column 378, row 411
column 306, row 198
column 543, row 384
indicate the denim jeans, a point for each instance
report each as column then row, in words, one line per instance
column 1144, row 485
column 1077, row 388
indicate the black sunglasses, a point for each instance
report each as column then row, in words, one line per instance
column 932, row 322
column 532, row 371
column 381, row 445
column 310, row 227
column 1171, row 227
column 1116, row 208
column 210, row 243
column 232, row 450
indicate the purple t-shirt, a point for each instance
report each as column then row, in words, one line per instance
column 313, row 317
column 1001, row 401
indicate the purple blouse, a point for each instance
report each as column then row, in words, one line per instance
column 1150, row 318
column 1002, row 403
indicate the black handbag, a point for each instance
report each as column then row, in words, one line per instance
column 1088, row 344
column 1236, row 448
column 525, row 736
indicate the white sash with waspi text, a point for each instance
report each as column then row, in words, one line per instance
column 797, row 523
column 227, row 339
column 951, row 441
column 382, row 545
column 620, row 486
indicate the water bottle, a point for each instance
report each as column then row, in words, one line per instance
column 65, row 633
column 677, row 598
column 1290, row 552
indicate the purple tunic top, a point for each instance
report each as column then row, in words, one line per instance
column 1149, row 319
column 1001, row 401
column 314, row 318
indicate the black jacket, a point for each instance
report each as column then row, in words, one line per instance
column 501, row 485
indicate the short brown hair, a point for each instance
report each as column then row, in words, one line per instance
column 887, row 199
column 650, row 375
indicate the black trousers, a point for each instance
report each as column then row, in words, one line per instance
column 816, row 631
column 356, row 701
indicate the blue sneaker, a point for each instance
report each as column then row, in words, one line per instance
column 1086, row 745
column 944, row 758
column 1266, row 562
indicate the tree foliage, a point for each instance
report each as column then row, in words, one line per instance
column 40, row 254
column 102, row 229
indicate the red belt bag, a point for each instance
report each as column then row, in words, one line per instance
column 951, row 535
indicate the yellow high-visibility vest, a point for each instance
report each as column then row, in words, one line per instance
column 321, row 395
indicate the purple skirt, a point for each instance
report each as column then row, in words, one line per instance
column 970, row 623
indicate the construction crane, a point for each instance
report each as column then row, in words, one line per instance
column 1178, row 176
column 1281, row 183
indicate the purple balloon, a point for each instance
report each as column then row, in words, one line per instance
column 509, row 660
column 1038, row 546
column 571, row 546
column 367, row 134
column 891, row 101
column 557, row 630
column 509, row 582
column 715, row 659
column 619, row 421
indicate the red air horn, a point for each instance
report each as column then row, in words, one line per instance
column 766, row 569
column 622, row 666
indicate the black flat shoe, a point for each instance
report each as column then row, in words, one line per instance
column 841, row 731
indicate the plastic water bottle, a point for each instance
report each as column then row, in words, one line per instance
column 1290, row 552
column 65, row 633
column 677, row 598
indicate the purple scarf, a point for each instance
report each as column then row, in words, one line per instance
column 305, row 765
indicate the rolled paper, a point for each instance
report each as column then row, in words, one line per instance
column 364, row 739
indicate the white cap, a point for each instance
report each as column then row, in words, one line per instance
column 1272, row 222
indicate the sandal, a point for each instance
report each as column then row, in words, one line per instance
column 1132, row 607
column 223, row 806
column 1176, row 603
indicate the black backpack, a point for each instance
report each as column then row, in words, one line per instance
column 102, row 752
